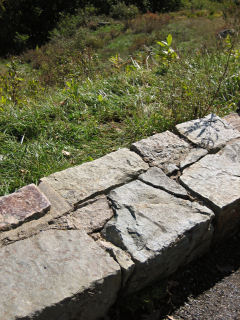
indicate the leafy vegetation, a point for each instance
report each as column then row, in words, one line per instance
column 102, row 82
column 26, row 23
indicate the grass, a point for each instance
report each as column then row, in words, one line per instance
column 76, row 99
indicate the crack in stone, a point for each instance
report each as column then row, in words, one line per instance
column 166, row 190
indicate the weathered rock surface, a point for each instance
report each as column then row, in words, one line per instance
column 59, row 207
column 194, row 155
column 81, row 182
column 160, row 231
column 210, row 132
column 27, row 203
column 158, row 179
column 164, row 150
column 91, row 217
column 57, row 275
column 167, row 151
column 234, row 120
column 122, row 257
column 216, row 178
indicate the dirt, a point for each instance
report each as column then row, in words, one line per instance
column 208, row 288
column 221, row 302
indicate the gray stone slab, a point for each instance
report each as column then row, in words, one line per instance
column 216, row 178
column 91, row 217
column 164, row 150
column 160, row 231
column 157, row 178
column 234, row 120
column 81, row 182
column 57, row 275
column 210, row 132
column 25, row 204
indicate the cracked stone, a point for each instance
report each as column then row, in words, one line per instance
column 210, row 132
column 91, row 217
column 216, row 179
column 123, row 258
column 160, row 231
column 164, row 150
column 157, row 178
column 25, row 204
column 78, row 183
column 194, row 155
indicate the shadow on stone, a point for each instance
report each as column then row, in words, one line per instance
column 210, row 132
column 162, row 298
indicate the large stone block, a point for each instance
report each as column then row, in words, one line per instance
column 210, row 132
column 166, row 151
column 57, row 275
column 216, row 179
column 160, row 231
column 25, row 204
column 81, row 182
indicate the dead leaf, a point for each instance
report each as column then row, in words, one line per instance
column 66, row 153
column 24, row 171
column 62, row 103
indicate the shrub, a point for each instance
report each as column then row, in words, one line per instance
column 69, row 24
column 122, row 11
column 148, row 22
column 55, row 63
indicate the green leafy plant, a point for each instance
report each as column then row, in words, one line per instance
column 165, row 53
column 72, row 89
column 10, row 81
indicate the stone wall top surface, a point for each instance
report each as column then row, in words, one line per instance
column 91, row 217
column 158, row 179
column 81, row 182
column 210, row 132
column 166, row 151
column 216, row 177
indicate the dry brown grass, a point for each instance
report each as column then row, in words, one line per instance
column 148, row 22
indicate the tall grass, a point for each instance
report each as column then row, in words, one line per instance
column 61, row 106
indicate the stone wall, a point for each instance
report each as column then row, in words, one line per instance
column 71, row 245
